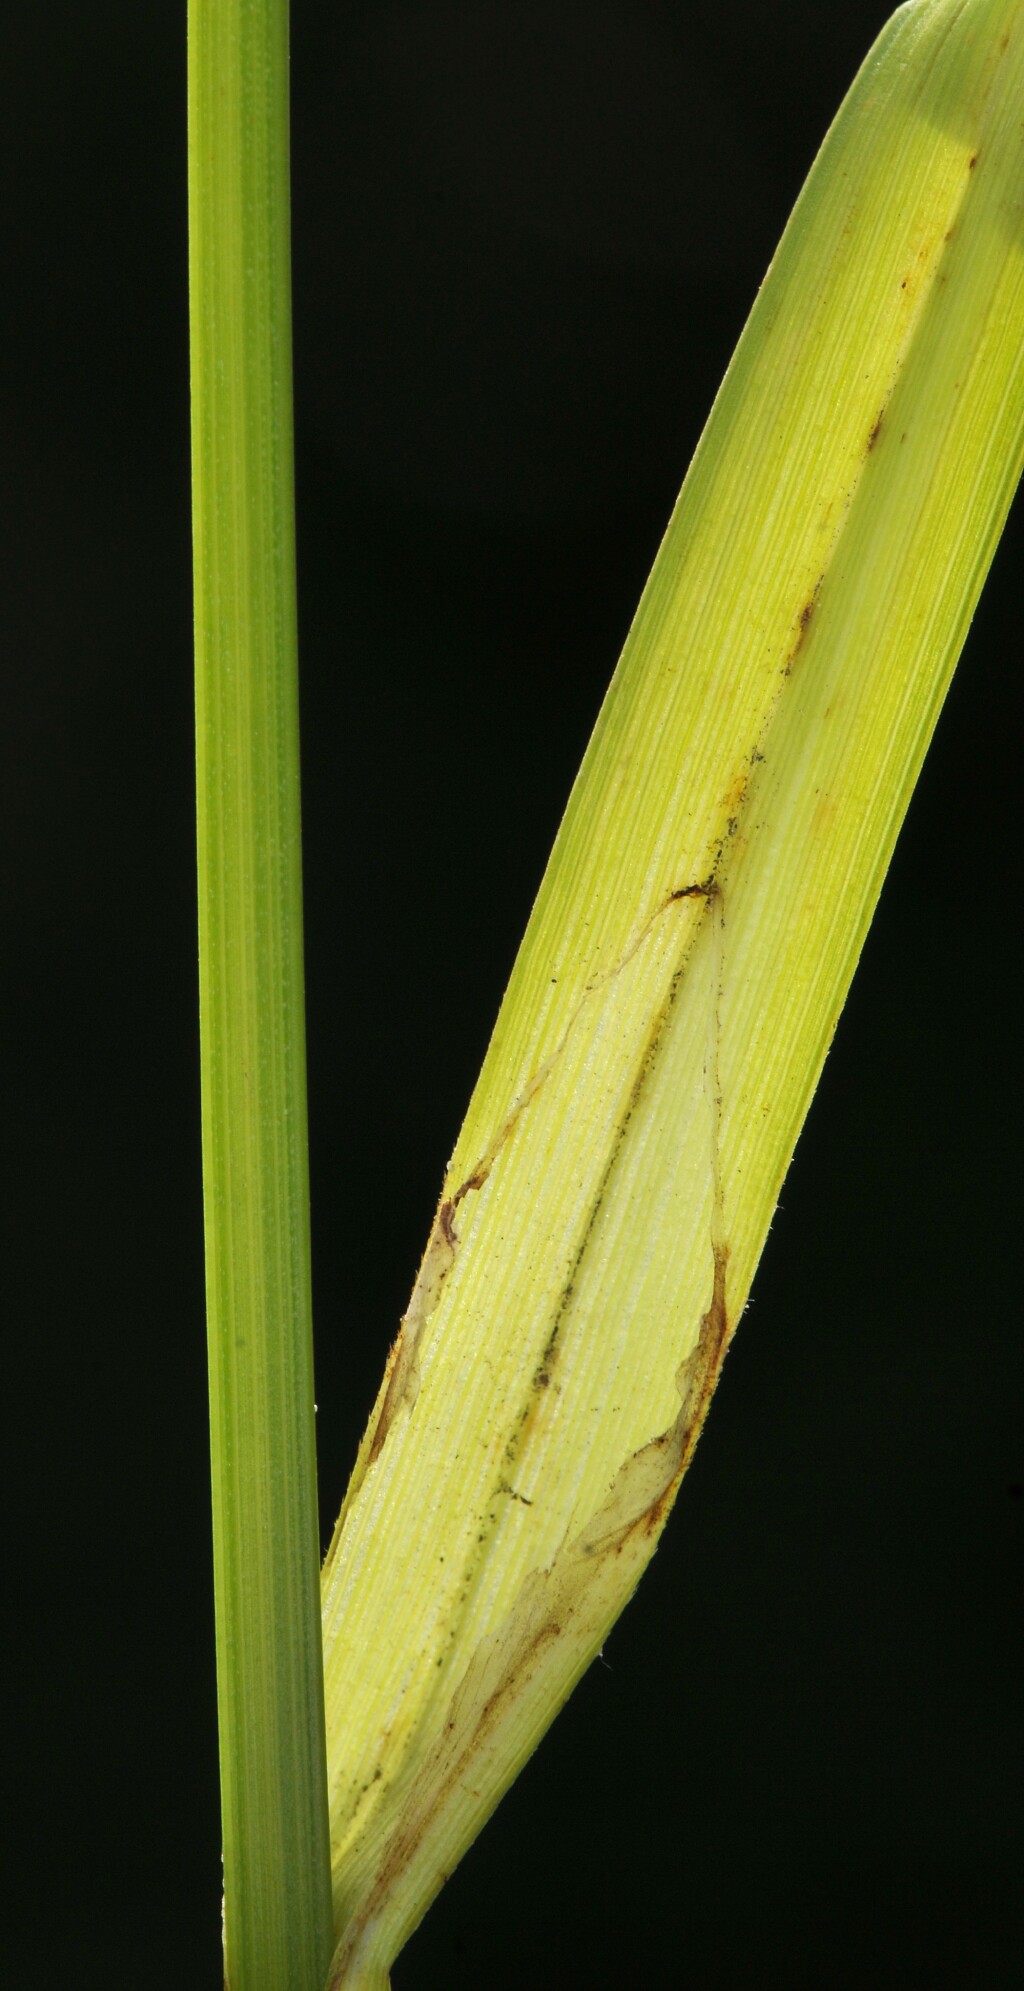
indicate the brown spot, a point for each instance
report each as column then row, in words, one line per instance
column 972, row 162
column 824, row 811
column 736, row 793
column 876, row 430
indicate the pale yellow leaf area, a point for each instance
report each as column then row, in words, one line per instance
column 684, row 967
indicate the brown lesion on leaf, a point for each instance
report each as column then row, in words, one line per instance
column 472, row 1716
column 708, row 890
column 972, row 161
column 698, row 1375
column 803, row 624
column 474, row 1181
column 695, row 1380
column 575, row 1598
column 402, row 1373
column 875, row 430
column 705, row 890
column 544, row 1375
column 569, row 1597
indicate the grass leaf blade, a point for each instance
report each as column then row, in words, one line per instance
column 684, row 968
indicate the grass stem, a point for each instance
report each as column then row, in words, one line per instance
column 255, row 1166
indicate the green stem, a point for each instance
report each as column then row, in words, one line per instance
column 255, row 1168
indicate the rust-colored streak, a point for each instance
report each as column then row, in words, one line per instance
column 712, row 1342
column 972, row 161
column 736, row 793
column 474, row 1181
column 675, row 1447
column 704, row 1368
column 804, row 620
column 403, row 1362
column 397, row 1370
column 876, row 430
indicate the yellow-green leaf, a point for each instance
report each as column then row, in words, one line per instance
column 684, row 966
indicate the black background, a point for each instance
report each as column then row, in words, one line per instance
column 526, row 239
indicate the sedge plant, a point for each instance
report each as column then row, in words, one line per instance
column 669, row 1012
